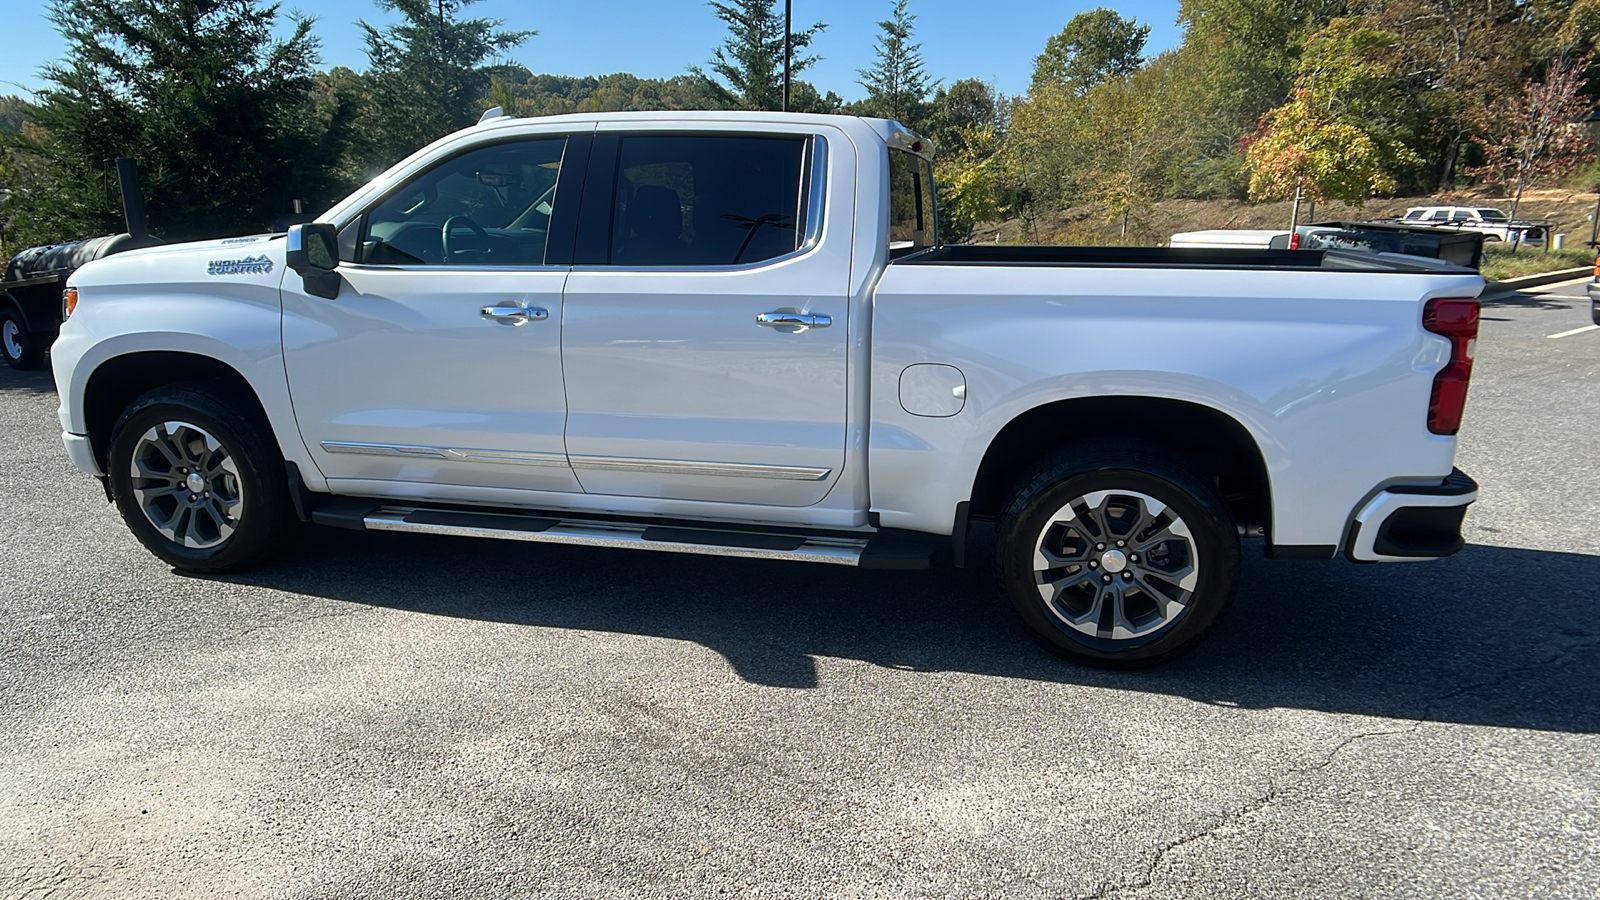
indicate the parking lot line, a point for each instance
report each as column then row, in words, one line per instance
column 1575, row 331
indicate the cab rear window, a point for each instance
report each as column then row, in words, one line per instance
column 913, row 225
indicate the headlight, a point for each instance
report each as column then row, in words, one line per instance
column 69, row 302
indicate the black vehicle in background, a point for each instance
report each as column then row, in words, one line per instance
column 1462, row 248
column 31, row 290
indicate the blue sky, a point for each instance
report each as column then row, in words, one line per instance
column 994, row 40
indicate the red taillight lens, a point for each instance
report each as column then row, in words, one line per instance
column 1458, row 321
column 1294, row 242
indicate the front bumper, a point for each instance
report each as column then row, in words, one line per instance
column 1406, row 523
column 82, row 453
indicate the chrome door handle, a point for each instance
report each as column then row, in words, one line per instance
column 794, row 320
column 515, row 315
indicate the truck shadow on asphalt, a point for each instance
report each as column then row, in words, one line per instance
column 1494, row 636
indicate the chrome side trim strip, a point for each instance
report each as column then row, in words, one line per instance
column 691, row 467
column 834, row 551
column 509, row 457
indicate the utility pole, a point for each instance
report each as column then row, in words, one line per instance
column 788, row 48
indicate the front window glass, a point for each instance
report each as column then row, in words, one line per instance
column 912, row 225
column 699, row 200
column 487, row 207
column 1493, row 215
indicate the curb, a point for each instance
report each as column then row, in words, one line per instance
column 1512, row 285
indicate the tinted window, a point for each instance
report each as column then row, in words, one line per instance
column 1493, row 215
column 696, row 200
column 487, row 207
column 911, row 214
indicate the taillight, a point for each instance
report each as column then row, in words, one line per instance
column 1294, row 244
column 1456, row 320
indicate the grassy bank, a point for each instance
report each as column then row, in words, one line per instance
column 1499, row 263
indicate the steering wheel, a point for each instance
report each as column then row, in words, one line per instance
column 450, row 248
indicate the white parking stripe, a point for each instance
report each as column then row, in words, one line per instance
column 1575, row 331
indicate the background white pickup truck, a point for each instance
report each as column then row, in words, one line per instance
column 1493, row 224
column 737, row 333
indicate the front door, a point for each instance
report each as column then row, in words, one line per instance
column 440, row 360
column 705, row 330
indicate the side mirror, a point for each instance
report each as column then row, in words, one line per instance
column 312, row 250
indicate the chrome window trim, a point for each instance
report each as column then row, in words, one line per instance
column 695, row 467
column 449, row 454
column 380, row 267
column 816, row 196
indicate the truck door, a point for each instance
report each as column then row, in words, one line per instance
column 440, row 360
column 705, row 326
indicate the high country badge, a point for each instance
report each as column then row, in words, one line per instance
column 250, row 265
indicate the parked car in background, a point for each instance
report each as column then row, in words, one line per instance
column 1594, row 294
column 1492, row 223
column 1231, row 238
column 1462, row 248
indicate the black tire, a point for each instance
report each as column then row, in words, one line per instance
column 1144, row 616
column 256, row 479
column 22, row 348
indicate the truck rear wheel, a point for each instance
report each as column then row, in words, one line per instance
column 199, row 481
column 1117, row 557
column 23, row 349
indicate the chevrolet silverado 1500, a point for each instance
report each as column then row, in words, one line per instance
column 739, row 334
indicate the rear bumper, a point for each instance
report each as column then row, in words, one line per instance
column 1594, row 302
column 1406, row 523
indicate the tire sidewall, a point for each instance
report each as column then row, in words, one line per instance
column 1210, row 525
column 255, row 528
column 29, row 358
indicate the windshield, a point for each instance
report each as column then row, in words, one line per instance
column 1493, row 215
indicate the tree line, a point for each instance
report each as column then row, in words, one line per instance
column 1325, row 99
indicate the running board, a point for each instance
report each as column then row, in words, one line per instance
column 877, row 551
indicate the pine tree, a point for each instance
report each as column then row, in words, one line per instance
column 427, row 73
column 198, row 92
column 750, row 60
column 897, row 84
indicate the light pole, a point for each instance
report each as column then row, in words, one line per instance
column 788, row 49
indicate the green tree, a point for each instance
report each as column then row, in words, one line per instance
column 427, row 72
column 1340, row 136
column 198, row 92
column 1096, row 46
column 897, row 84
column 750, row 60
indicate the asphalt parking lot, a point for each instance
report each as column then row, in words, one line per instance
column 402, row 716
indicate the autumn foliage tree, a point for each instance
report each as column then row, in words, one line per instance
column 1339, row 137
column 1536, row 134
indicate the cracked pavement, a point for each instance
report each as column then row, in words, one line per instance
column 398, row 716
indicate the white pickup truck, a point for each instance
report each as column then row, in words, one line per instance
column 739, row 334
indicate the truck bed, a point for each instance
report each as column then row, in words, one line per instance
column 1177, row 258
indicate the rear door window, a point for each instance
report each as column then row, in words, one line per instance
column 707, row 200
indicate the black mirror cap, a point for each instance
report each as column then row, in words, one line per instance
column 312, row 249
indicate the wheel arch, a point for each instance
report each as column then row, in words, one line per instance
column 120, row 380
column 1205, row 437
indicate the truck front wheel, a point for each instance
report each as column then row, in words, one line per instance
column 199, row 480
column 23, row 349
column 1119, row 558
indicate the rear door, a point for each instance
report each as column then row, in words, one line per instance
column 705, row 330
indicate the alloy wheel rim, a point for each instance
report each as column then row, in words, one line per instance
column 187, row 485
column 1116, row 565
column 11, row 332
